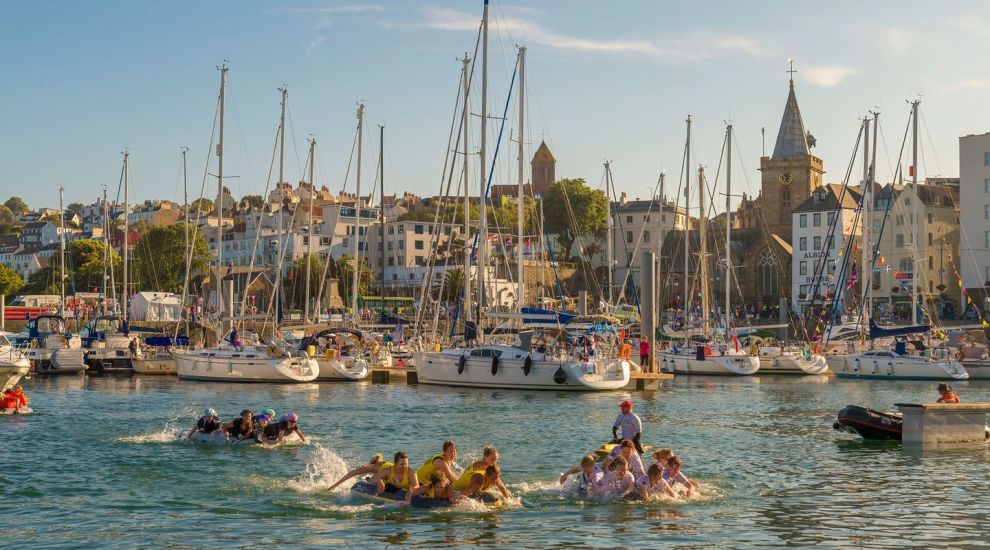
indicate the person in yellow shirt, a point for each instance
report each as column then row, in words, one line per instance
column 489, row 458
column 398, row 476
column 440, row 462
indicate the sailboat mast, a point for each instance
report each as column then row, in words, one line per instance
column 309, row 239
column 106, row 254
column 703, row 254
column 381, row 194
column 357, row 215
column 610, row 230
column 868, row 200
column 61, row 278
column 866, row 262
column 916, row 221
column 466, row 278
column 127, row 210
column 687, row 213
column 279, row 231
column 521, row 284
column 482, row 154
column 223, row 81
column 728, row 227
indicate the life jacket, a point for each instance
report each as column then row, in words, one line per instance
column 426, row 470
column 404, row 484
column 949, row 397
column 10, row 401
column 464, row 480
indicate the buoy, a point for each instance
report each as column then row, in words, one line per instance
column 460, row 364
column 494, row 365
column 528, row 365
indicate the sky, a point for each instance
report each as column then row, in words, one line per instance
column 83, row 80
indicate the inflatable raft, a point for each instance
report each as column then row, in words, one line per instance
column 369, row 490
column 602, row 452
column 218, row 438
column 18, row 410
column 869, row 423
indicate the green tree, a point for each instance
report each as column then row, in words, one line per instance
column 16, row 205
column 294, row 283
column 572, row 209
column 344, row 270
column 10, row 281
column 255, row 201
column 75, row 208
column 43, row 281
column 7, row 218
column 160, row 258
column 203, row 205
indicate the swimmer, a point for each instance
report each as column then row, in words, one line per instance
column 441, row 462
column 482, row 483
column 652, row 485
column 396, row 477
column 207, row 424
column 279, row 430
column 489, row 458
column 626, row 450
column 616, row 483
column 437, row 488
column 241, row 427
column 673, row 475
column 590, row 472
column 661, row 457
column 260, row 423
column 372, row 467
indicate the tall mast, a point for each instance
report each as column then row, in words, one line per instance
column 107, row 274
column 279, row 231
column 728, row 226
column 185, row 224
column 309, row 240
column 868, row 199
column 466, row 279
column 703, row 254
column 866, row 263
column 381, row 193
column 916, row 212
column 521, row 284
column 61, row 278
column 127, row 210
column 483, row 211
column 223, row 80
column 357, row 215
column 687, row 213
column 610, row 233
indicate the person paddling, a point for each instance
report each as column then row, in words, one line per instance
column 376, row 464
column 631, row 425
column 946, row 395
column 489, row 458
column 397, row 477
column 441, row 462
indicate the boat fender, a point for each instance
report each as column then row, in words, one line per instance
column 560, row 376
column 890, row 368
column 874, row 371
column 856, row 365
column 494, row 365
column 460, row 364
column 528, row 365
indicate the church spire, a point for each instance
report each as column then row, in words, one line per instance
column 792, row 139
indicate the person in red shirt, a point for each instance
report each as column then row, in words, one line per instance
column 946, row 395
column 644, row 353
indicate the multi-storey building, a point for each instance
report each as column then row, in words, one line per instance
column 974, row 216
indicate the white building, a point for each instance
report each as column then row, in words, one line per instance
column 974, row 212
column 822, row 225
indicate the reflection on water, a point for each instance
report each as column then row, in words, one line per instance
column 102, row 461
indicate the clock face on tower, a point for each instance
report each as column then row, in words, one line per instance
column 786, row 178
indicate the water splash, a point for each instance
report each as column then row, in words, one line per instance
column 322, row 469
column 169, row 433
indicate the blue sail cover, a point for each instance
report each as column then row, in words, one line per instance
column 167, row 341
column 878, row 332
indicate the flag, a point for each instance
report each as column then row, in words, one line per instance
column 888, row 269
column 852, row 277
column 984, row 324
column 882, row 260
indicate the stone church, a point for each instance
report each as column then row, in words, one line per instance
column 761, row 237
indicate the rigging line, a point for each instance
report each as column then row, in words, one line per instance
column 263, row 215
column 333, row 234
column 931, row 141
column 295, row 144
column 240, row 129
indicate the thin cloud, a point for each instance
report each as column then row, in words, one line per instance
column 826, row 76
column 315, row 42
column 687, row 48
column 895, row 41
column 964, row 85
column 334, row 9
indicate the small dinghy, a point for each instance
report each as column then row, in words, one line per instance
column 369, row 490
column 868, row 423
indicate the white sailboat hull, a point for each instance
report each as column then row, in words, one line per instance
column 444, row 369
column 898, row 368
column 343, row 369
column 792, row 362
column 719, row 365
column 158, row 363
column 13, row 366
column 245, row 366
column 978, row 369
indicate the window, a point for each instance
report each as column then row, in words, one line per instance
column 906, row 265
column 907, row 201
column 803, row 244
column 766, row 273
column 401, row 228
column 986, row 211
column 391, row 230
column 986, row 159
column 899, row 220
column 931, row 262
column 987, row 274
column 628, row 219
column 391, row 261
column 446, row 230
column 803, row 291
column 379, row 247
column 663, row 217
column 646, row 218
column 412, row 276
column 899, row 239
column 402, row 245
column 395, row 276
column 420, row 261
column 390, row 245
column 418, row 228
column 931, row 239
column 818, row 243
column 986, row 241
column 816, row 219
column 931, row 218
column 646, row 236
column 876, row 279
column 629, row 236
column 419, row 245
column 803, row 268
column 831, row 267
column 831, row 242
column 803, row 220
column 986, row 186
column 831, row 218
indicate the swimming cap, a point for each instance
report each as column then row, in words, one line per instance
column 210, row 412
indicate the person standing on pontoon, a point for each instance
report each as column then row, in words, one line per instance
column 631, row 425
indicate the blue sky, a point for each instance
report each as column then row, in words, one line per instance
column 610, row 80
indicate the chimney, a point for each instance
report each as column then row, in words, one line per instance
column 622, row 198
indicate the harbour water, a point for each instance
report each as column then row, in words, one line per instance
column 99, row 465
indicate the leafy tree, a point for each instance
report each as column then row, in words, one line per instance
column 255, row 201
column 43, row 281
column 572, row 209
column 16, row 205
column 294, row 282
column 203, row 205
column 344, row 270
column 75, row 208
column 160, row 258
column 6, row 216
column 10, row 281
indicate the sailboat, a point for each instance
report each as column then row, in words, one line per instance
column 898, row 363
column 253, row 361
column 548, row 365
column 14, row 365
column 700, row 357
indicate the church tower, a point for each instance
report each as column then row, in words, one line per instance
column 792, row 173
column 544, row 168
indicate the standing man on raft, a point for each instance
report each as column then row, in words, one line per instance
column 632, row 426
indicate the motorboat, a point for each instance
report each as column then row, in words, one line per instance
column 109, row 346
column 512, row 367
column 14, row 365
column 701, row 358
column 789, row 360
column 50, row 347
column 277, row 361
column 937, row 364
